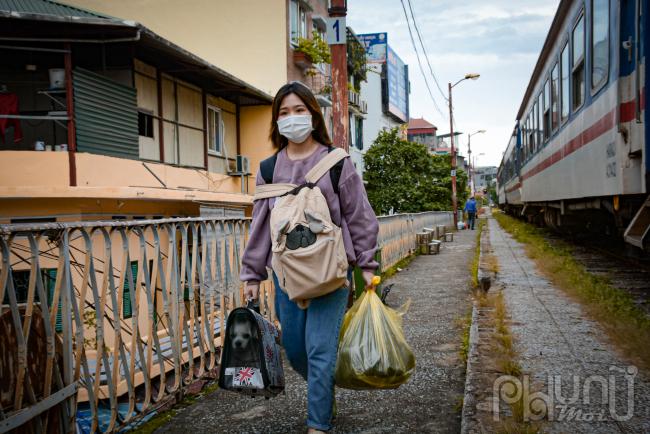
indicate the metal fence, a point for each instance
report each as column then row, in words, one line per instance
column 397, row 233
column 101, row 323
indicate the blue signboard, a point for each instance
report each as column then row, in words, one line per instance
column 397, row 76
column 376, row 45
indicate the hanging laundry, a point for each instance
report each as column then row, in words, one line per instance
column 9, row 106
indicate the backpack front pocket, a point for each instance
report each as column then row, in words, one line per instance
column 315, row 270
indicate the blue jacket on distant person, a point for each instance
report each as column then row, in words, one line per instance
column 470, row 205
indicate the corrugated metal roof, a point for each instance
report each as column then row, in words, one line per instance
column 46, row 7
column 106, row 119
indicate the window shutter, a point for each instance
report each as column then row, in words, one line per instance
column 126, row 295
column 50, row 283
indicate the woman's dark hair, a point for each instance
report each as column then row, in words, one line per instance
column 304, row 93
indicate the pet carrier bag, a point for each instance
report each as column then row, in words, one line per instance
column 256, row 368
column 373, row 353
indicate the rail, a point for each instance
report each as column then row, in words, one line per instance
column 102, row 323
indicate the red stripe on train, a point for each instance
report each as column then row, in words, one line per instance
column 599, row 128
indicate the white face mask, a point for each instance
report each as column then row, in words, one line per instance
column 295, row 128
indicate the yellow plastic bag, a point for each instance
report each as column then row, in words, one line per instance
column 373, row 353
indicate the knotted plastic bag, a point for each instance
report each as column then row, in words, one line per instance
column 373, row 353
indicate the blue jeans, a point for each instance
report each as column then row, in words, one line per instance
column 310, row 339
column 471, row 216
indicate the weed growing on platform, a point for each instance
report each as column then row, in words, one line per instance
column 614, row 309
column 466, row 324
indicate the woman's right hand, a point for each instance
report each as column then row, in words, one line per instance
column 252, row 291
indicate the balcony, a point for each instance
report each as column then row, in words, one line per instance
column 354, row 99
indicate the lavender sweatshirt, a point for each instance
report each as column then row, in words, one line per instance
column 350, row 210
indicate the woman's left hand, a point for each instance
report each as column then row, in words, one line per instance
column 367, row 278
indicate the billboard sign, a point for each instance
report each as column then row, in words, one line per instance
column 376, row 45
column 398, row 83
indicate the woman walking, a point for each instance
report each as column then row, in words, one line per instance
column 310, row 335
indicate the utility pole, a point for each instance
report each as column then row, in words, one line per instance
column 336, row 37
column 453, row 160
column 469, row 160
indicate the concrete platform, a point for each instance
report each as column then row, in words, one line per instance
column 562, row 352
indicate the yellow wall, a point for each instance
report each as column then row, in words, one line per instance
column 254, row 126
column 247, row 38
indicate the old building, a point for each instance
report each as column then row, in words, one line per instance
column 386, row 91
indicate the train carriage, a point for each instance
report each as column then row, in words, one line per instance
column 581, row 156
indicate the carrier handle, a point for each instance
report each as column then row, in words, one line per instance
column 254, row 305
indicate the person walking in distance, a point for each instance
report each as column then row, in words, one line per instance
column 310, row 328
column 470, row 209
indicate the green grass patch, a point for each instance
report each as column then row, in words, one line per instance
column 163, row 418
column 626, row 324
column 466, row 324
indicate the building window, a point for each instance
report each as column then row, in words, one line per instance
column 599, row 43
column 297, row 22
column 358, row 128
column 564, row 88
column 547, row 110
column 578, row 73
column 215, row 131
column 145, row 124
column 555, row 92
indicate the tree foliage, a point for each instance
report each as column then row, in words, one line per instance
column 403, row 177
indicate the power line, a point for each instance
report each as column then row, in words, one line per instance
column 426, row 82
column 424, row 51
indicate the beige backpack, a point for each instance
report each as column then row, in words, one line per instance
column 308, row 254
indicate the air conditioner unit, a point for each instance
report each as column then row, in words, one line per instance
column 243, row 165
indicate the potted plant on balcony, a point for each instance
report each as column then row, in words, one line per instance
column 311, row 51
column 356, row 63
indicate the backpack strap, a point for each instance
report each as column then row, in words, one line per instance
column 333, row 162
column 335, row 173
column 267, row 167
column 267, row 191
column 324, row 165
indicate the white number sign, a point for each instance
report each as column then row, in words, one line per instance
column 336, row 30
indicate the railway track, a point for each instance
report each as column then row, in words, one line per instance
column 607, row 257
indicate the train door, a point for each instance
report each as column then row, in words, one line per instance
column 632, row 74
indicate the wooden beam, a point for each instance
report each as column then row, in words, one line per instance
column 161, row 128
column 72, row 139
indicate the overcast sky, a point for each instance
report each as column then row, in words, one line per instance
column 489, row 37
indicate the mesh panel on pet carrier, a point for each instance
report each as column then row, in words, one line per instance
column 250, row 361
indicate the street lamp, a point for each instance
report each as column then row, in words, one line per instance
column 469, row 157
column 471, row 76
column 474, row 164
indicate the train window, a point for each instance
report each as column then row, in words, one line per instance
column 564, row 78
column 531, row 131
column 534, row 127
column 578, row 73
column 540, row 120
column 547, row 110
column 555, row 92
column 599, row 43
column 524, row 145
